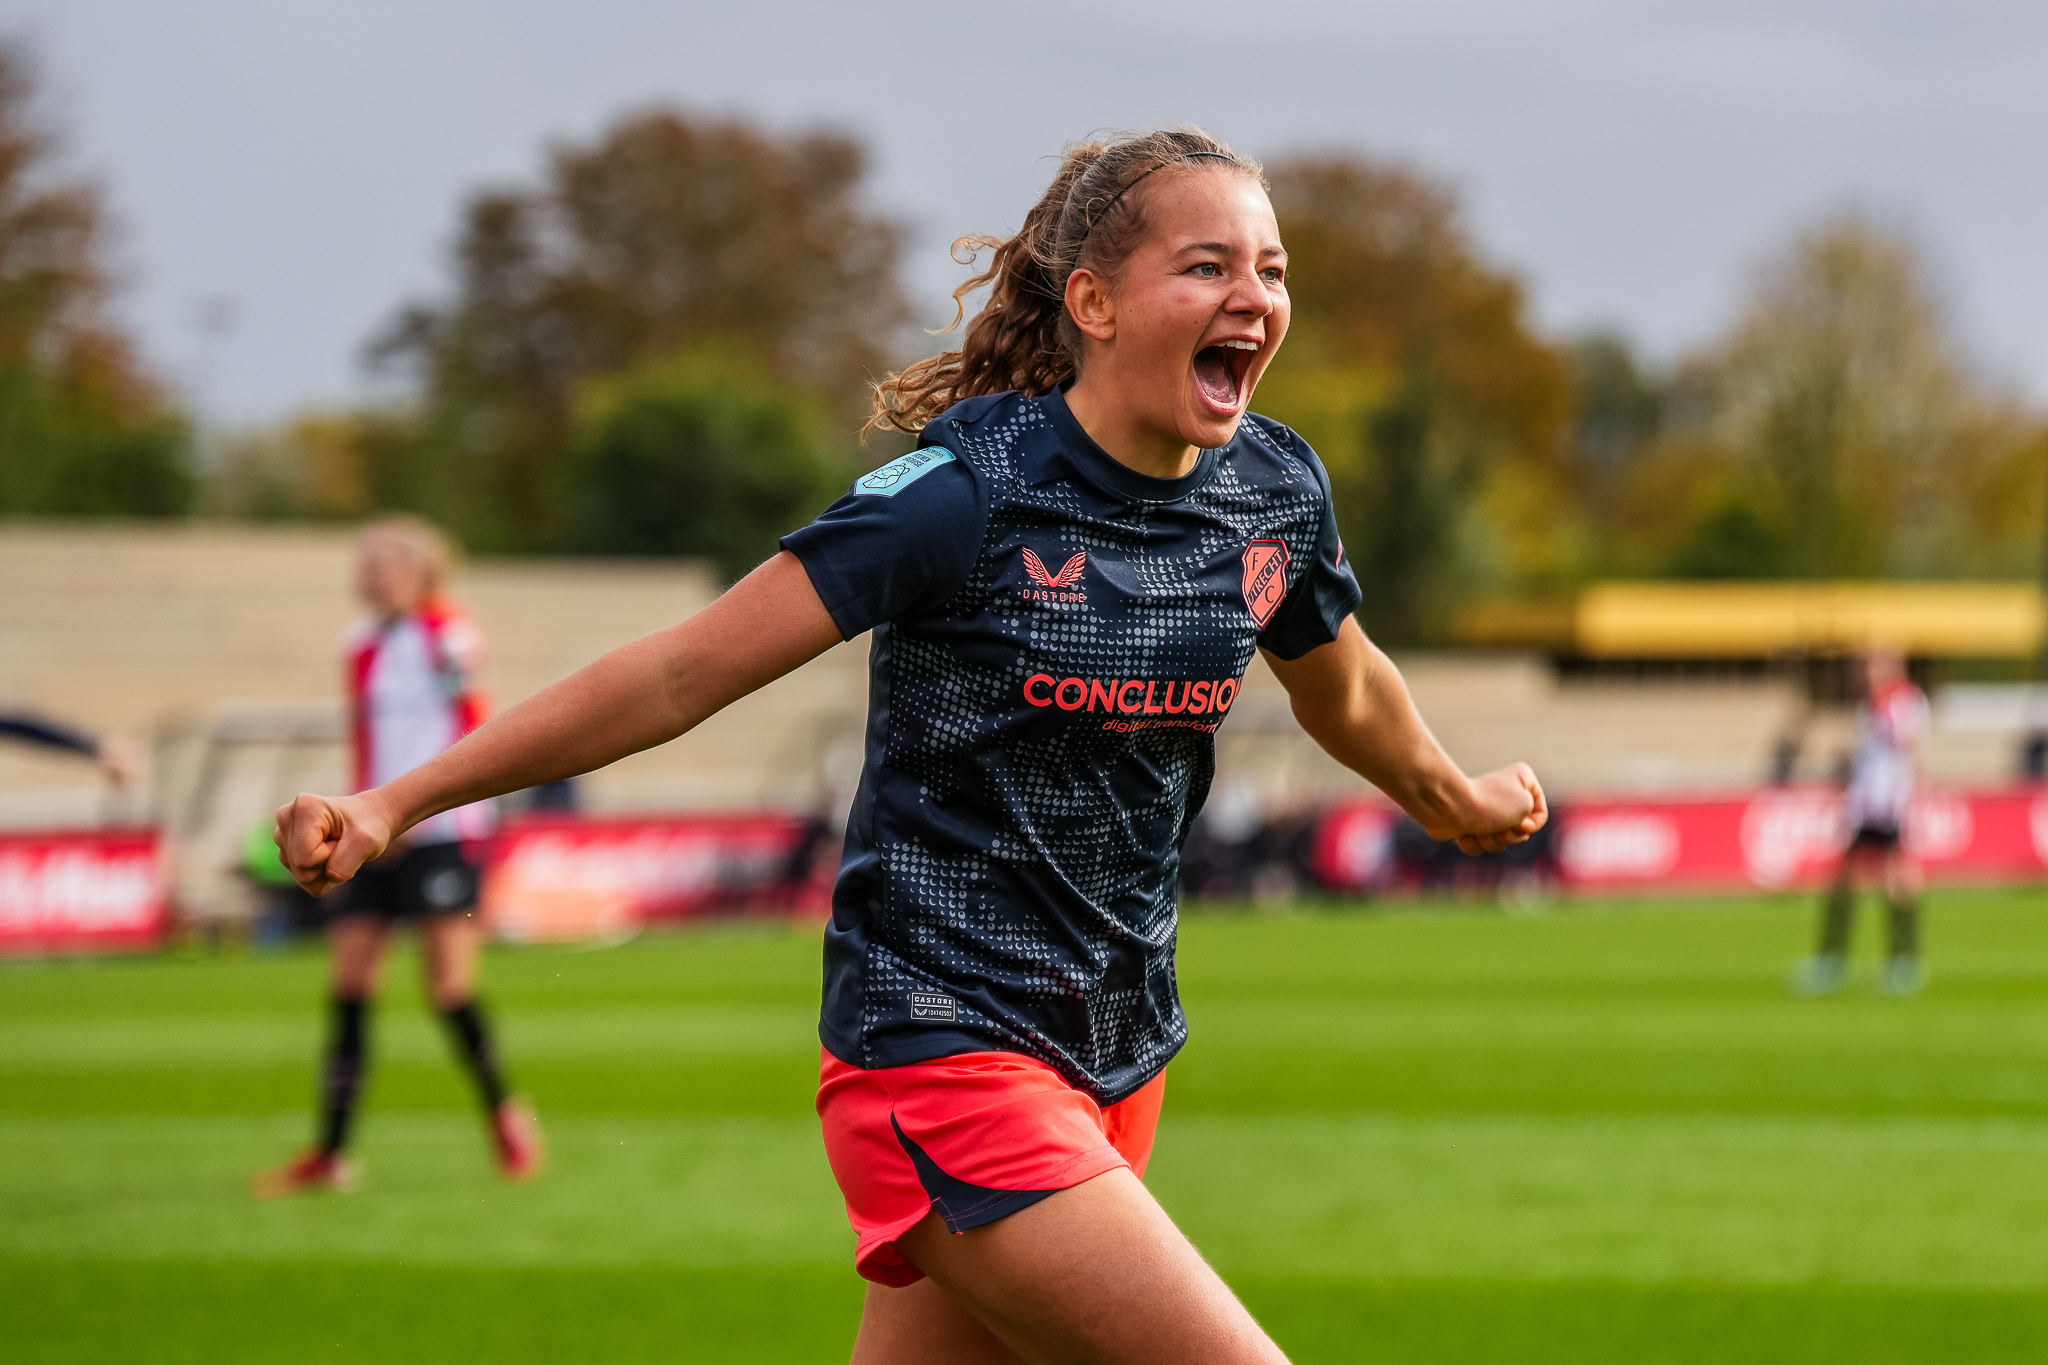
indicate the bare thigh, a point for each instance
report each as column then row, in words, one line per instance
column 1096, row 1273
column 923, row 1322
column 356, row 952
column 448, row 947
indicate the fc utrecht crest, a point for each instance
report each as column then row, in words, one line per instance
column 1265, row 578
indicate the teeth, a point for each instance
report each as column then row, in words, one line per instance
column 1240, row 345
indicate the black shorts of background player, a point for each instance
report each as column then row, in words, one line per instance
column 1874, row 838
column 426, row 879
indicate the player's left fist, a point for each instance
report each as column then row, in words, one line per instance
column 1507, row 807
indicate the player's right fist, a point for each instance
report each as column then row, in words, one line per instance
column 322, row 840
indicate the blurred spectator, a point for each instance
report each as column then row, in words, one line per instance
column 1219, row 857
column 2034, row 758
column 801, row 877
column 1519, row 872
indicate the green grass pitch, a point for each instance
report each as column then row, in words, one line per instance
column 1603, row 1134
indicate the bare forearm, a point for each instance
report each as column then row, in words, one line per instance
column 642, row 694
column 1373, row 728
column 601, row 713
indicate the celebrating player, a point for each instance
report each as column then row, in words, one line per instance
column 1065, row 583
column 410, row 671
column 1889, row 726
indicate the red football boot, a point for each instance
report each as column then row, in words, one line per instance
column 310, row 1172
column 516, row 1134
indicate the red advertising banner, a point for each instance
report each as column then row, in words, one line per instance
column 1354, row 846
column 566, row 878
column 89, row 891
column 1779, row 837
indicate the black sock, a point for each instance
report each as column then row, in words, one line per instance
column 1837, row 918
column 342, row 1077
column 1905, row 928
column 473, row 1037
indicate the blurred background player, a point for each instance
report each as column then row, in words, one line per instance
column 1890, row 724
column 411, row 674
column 115, row 758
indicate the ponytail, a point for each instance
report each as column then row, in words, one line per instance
column 1023, row 338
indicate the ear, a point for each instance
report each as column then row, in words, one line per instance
column 1089, row 304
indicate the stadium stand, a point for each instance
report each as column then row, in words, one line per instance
column 215, row 647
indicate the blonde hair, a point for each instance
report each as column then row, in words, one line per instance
column 428, row 543
column 1023, row 337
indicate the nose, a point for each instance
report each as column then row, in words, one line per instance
column 1248, row 297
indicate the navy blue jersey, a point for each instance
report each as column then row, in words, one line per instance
column 1056, row 639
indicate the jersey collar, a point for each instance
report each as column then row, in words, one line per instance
column 1101, row 468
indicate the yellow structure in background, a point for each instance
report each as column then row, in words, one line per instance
column 1666, row 620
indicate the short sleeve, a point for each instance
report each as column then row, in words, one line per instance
column 901, row 541
column 1327, row 592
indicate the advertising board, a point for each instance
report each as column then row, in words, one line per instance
column 1767, row 840
column 81, row 891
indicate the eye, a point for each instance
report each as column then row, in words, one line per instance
column 1208, row 270
column 1273, row 274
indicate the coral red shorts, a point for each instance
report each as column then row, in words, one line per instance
column 976, row 1136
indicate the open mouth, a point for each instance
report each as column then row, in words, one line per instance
column 1220, row 371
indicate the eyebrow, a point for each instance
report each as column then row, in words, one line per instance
column 1224, row 249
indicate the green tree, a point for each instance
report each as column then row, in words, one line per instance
column 1856, row 419
column 322, row 465
column 83, row 431
column 1619, row 404
column 667, row 234
column 702, row 454
column 1412, row 368
column 1837, row 430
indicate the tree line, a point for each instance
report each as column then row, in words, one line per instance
column 662, row 346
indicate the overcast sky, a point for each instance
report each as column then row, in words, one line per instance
column 1630, row 159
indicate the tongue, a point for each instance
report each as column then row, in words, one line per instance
column 1216, row 375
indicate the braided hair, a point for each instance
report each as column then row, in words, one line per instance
column 1023, row 337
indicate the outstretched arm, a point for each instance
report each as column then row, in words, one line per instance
column 1351, row 700
column 639, row 695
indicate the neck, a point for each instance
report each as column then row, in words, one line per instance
column 1124, row 437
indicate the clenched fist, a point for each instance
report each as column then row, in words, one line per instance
column 1506, row 807
column 322, row 840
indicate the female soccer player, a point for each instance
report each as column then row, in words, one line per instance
column 410, row 672
column 1891, row 722
column 1066, row 582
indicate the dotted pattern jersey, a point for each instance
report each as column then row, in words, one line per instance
column 1056, row 639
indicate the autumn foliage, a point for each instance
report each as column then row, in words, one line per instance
column 667, row 238
column 664, row 343
column 83, row 431
column 1413, row 369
